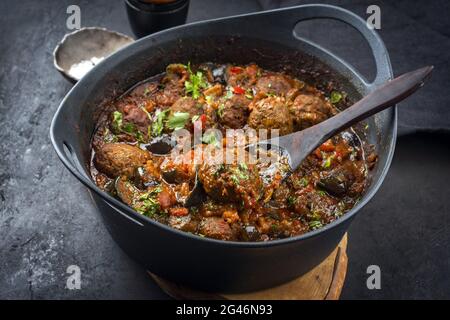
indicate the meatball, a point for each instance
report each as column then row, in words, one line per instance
column 115, row 159
column 167, row 96
column 308, row 110
column 187, row 105
column 126, row 191
column 238, row 182
column 271, row 113
column 216, row 228
column 233, row 113
column 279, row 85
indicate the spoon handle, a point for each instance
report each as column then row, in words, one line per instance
column 382, row 98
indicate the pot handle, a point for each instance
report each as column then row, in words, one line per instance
column 292, row 16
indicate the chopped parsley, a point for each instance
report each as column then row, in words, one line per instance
column 315, row 224
column 128, row 127
column 249, row 94
column 243, row 166
column 210, row 138
column 117, row 120
column 303, row 182
column 220, row 110
column 239, row 173
column 178, row 120
column 219, row 169
column 327, row 163
column 195, row 83
column 335, row 97
column 148, row 204
column 235, row 179
column 321, row 192
column 195, row 118
column 291, row 200
column 158, row 124
column 229, row 93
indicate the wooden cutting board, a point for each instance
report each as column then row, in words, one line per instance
column 324, row 282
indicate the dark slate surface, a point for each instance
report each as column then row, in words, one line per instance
column 47, row 221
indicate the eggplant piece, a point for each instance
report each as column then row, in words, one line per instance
column 126, row 191
column 143, row 180
column 117, row 159
column 334, row 184
column 162, row 145
column 170, row 176
column 352, row 138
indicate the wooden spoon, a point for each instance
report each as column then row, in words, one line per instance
column 297, row 146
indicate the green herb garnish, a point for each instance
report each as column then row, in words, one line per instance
column 128, row 128
column 210, row 138
column 148, row 204
column 195, row 83
column 321, row 193
column 117, row 120
column 240, row 173
column 195, row 118
column 315, row 224
column 229, row 93
column 327, row 163
column 158, row 125
column 220, row 110
column 219, row 170
column 243, row 166
column 335, row 97
column 178, row 120
column 291, row 200
column 235, row 179
column 249, row 94
column 304, row 182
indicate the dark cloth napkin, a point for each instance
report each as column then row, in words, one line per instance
column 415, row 35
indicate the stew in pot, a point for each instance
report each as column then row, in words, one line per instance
column 140, row 157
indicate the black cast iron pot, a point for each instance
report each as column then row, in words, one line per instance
column 268, row 39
